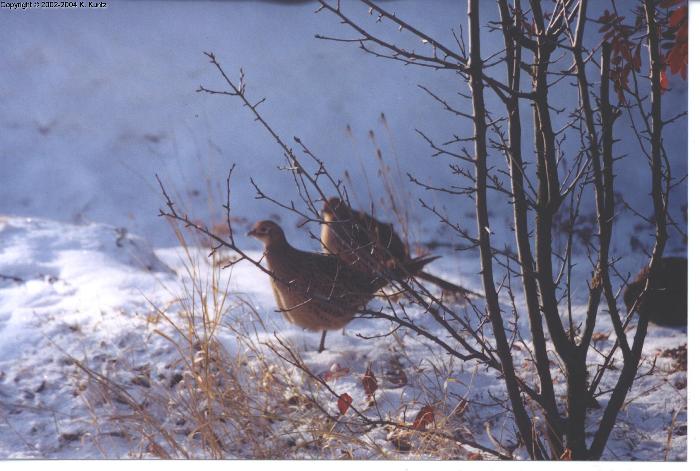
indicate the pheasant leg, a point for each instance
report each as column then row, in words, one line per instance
column 322, row 346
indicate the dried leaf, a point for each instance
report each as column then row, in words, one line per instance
column 664, row 80
column 425, row 416
column 678, row 58
column 335, row 371
column 678, row 17
column 566, row 456
column 462, row 407
column 400, row 440
column 369, row 382
column 670, row 3
column 344, row 402
column 638, row 57
column 396, row 375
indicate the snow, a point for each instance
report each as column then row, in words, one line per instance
column 94, row 103
column 71, row 293
column 90, row 293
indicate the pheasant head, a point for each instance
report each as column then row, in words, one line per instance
column 335, row 209
column 269, row 233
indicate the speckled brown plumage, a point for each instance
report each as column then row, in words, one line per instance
column 371, row 245
column 314, row 291
column 360, row 239
column 666, row 303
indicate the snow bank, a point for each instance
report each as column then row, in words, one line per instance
column 90, row 293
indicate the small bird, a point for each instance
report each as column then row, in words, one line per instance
column 312, row 290
column 666, row 302
column 371, row 245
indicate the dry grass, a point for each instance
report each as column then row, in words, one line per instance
column 215, row 402
column 224, row 393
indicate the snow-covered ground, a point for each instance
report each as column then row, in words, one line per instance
column 94, row 103
column 91, row 294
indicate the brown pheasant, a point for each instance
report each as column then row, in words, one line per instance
column 314, row 291
column 372, row 246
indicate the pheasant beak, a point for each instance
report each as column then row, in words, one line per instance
column 251, row 233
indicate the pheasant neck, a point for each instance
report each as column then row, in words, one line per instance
column 277, row 250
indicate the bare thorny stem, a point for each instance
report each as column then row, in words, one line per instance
column 416, row 292
column 537, row 280
column 542, row 37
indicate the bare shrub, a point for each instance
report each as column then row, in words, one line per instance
column 552, row 370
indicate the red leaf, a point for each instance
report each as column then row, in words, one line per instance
column 626, row 53
column 344, row 402
column 677, row 57
column 620, row 94
column 678, row 17
column 675, row 60
column 664, row 80
column 424, row 417
column 638, row 57
column 369, row 382
column 670, row 3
